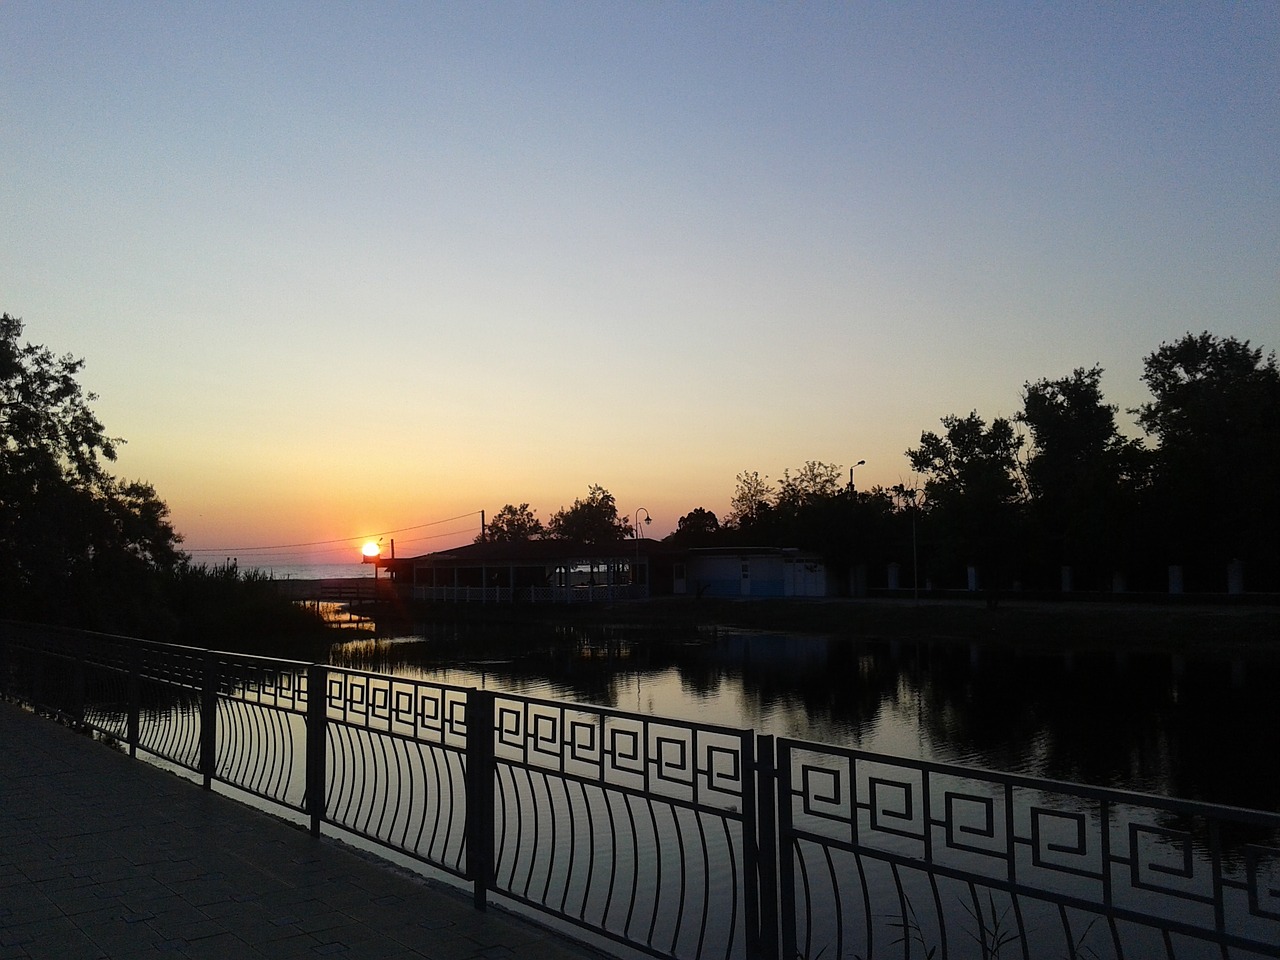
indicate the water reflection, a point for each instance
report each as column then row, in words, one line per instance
column 1201, row 728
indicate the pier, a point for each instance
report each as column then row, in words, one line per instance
column 338, row 590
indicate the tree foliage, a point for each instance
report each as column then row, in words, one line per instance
column 1057, row 484
column 812, row 484
column 591, row 520
column 973, row 489
column 1215, row 413
column 1084, row 479
column 752, row 502
column 697, row 527
column 513, row 524
column 76, row 544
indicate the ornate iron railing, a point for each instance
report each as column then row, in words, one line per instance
column 891, row 857
column 638, row 828
column 677, row 839
column 392, row 763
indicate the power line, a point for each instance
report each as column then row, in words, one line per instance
column 323, row 543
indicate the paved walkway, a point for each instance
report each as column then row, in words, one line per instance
column 106, row 857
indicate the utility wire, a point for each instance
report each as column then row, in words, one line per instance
column 322, row 543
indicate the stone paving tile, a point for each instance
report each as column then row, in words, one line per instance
column 104, row 856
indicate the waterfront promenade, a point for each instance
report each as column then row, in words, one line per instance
column 102, row 856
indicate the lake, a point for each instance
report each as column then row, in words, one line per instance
column 1201, row 728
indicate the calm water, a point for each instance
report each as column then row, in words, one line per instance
column 308, row 571
column 1203, row 729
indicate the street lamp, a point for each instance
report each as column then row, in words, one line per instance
column 852, row 488
column 635, row 534
column 855, row 570
column 909, row 494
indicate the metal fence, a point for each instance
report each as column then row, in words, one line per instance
column 582, row 593
column 677, row 839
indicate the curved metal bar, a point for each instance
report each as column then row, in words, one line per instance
column 657, row 885
column 1115, row 937
column 635, row 863
column 733, row 893
column 573, row 847
column 613, row 861
column 439, row 804
column 535, row 827
column 503, row 817
column 802, row 867
column 706, row 882
column 588, row 884
column 940, row 914
column 1022, row 927
column 552, row 850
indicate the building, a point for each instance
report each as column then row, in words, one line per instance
column 750, row 572
column 560, row 571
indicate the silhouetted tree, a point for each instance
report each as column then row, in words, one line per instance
column 77, row 545
column 1215, row 412
column 1083, row 478
column 512, row 524
column 697, row 527
column 972, row 490
column 812, row 510
column 812, row 484
column 752, row 501
column 593, row 520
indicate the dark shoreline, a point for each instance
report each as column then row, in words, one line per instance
column 1225, row 629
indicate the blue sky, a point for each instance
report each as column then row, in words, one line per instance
column 339, row 269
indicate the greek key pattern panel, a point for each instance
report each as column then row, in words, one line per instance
column 264, row 682
column 1207, row 872
column 416, row 709
column 702, row 766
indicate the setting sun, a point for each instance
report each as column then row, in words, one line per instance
column 371, row 549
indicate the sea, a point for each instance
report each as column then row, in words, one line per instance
column 310, row 571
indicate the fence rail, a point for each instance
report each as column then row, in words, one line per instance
column 583, row 593
column 677, row 839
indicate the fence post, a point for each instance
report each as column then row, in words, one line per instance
column 39, row 655
column 767, row 847
column 785, row 861
column 133, row 724
column 79, row 682
column 317, row 742
column 209, row 719
column 480, row 794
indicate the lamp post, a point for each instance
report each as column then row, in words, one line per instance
column 909, row 494
column 855, row 585
column 635, row 535
column 852, row 488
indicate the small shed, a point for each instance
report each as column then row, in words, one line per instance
column 751, row 572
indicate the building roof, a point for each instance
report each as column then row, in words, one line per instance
column 538, row 552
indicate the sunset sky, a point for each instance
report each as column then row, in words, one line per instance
column 347, row 269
